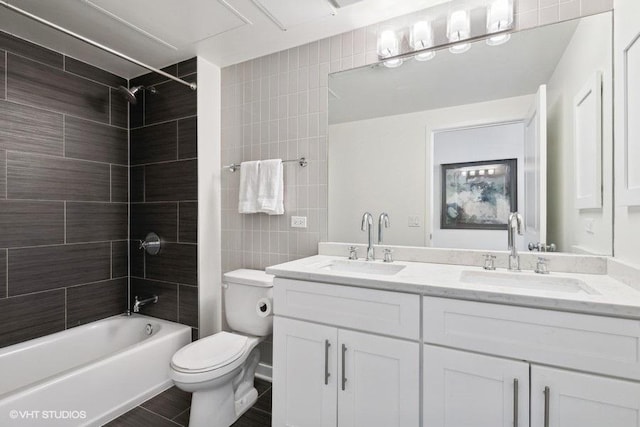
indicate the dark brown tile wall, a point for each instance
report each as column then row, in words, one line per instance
column 164, row 194
column 64, row 165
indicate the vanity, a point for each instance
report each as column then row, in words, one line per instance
column 368, row 343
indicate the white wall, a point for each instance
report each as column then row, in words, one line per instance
column 589, row 50
column 495, row 142
column 209, row 200
column 399, row 147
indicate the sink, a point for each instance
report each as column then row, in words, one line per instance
column 363, row 267
column 528, row 281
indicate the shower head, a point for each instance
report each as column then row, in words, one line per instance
column 130, row 94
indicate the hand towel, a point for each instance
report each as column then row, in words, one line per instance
column 249, row 180
column 271, row 187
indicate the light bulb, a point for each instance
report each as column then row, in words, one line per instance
column 499, row 18
column 459, row 28
column 388, row 46
column 420, row 38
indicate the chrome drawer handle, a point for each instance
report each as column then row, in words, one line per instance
column 327, row 344
column 344, row 378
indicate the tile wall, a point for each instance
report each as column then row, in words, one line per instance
column 164, row 194
column 276, row 106
column 63, row 192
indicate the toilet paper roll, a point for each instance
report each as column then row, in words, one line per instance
column 264, row 307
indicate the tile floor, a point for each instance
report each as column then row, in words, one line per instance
column 171, row 408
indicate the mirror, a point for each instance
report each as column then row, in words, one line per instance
column 448, row 147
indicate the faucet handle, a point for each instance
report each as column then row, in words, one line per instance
column 353, row 253
column 541, row 266
column 388, row 255
column 489, row 262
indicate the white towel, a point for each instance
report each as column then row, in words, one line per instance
column 271, row 187
column 249, row 179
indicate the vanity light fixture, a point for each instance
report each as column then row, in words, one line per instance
column 420, row 38
column 458, row 29
column 499, row 18
column 389, row 46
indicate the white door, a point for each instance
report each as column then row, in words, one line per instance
column 464, row 389
column 535, row 170
column 582, row 400
column 627, row 98
column 304, row 374
column 379, row 381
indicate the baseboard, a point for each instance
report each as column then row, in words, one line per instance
column 264, row 372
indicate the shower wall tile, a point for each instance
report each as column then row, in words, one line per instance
column 164, row 193
column 188, row 305
column 171, row 181
column 119, row 110
column 136, row 189
column 30, row 50
column 30, row 129
column 93, row 73
column 188, row 138
column 31, row 316
column 176, row 263
column 160, row 218
column 167, row 305
column 87, row 303
column 53, row 191
column 3, row 273
column 119, row 183
column 87, row 140
column 39, row 85
column 31, row 223
column 43, row 268
column 31, row 176
column 3, row 76
column 188, row 222
column 92, row 222
column 156, row 143
column 172, row 101
column 119, row 259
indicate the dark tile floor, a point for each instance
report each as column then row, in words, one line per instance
column 171, row 408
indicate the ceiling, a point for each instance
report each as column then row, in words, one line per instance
column 481, row 74
column 162, row 32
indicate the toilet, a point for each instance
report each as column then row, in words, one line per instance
column 219, row 369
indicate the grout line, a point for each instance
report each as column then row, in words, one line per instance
column 63, row 157
column 164, row 122
column 111, row 261
column 164, row 162
column 6, row 260
column 183, row 412
column 111, row 182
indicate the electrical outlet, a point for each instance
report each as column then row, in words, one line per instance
column 414, row 221
column 299, row 221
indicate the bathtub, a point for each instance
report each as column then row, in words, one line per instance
column 88, row 375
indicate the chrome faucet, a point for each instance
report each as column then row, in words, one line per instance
column 139, row 303
column 367, row 225
column 383, row 220
column 514, row 226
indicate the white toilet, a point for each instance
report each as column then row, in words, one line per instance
column 219, row 369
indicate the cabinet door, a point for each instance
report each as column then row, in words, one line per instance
column 378, row 381
column 304, row 374
column 464, row 389
column 583, row 400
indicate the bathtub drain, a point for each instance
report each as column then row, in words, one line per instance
column 148, row 329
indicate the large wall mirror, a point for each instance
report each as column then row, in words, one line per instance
column 450, row 146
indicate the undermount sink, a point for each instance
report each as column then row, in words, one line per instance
column 527, row 281
column 363, row 267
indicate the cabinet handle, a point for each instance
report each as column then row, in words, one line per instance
column 547, row 394
column 515, row 402
column 344, row 378
column 327, row 344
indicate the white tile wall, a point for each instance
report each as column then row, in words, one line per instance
column 276, row 106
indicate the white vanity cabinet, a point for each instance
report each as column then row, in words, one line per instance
column 464, row 388
column 330, row 375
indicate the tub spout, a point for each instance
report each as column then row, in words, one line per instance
column 139, row 303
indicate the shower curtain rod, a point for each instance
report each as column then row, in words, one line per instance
column 30, row 15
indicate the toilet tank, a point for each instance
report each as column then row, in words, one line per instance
column 244, row 289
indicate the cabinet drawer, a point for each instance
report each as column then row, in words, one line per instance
column 383, row 312
column 578, row 341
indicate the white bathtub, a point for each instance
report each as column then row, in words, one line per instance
column 87, row 375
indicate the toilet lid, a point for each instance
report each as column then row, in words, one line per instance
column 210, row 352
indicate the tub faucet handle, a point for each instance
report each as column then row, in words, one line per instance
column 353, row 253
column 541, row 266
column 489, row 262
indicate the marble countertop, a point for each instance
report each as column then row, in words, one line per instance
column 604, row 295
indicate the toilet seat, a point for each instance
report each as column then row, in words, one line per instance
column 210, row 353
